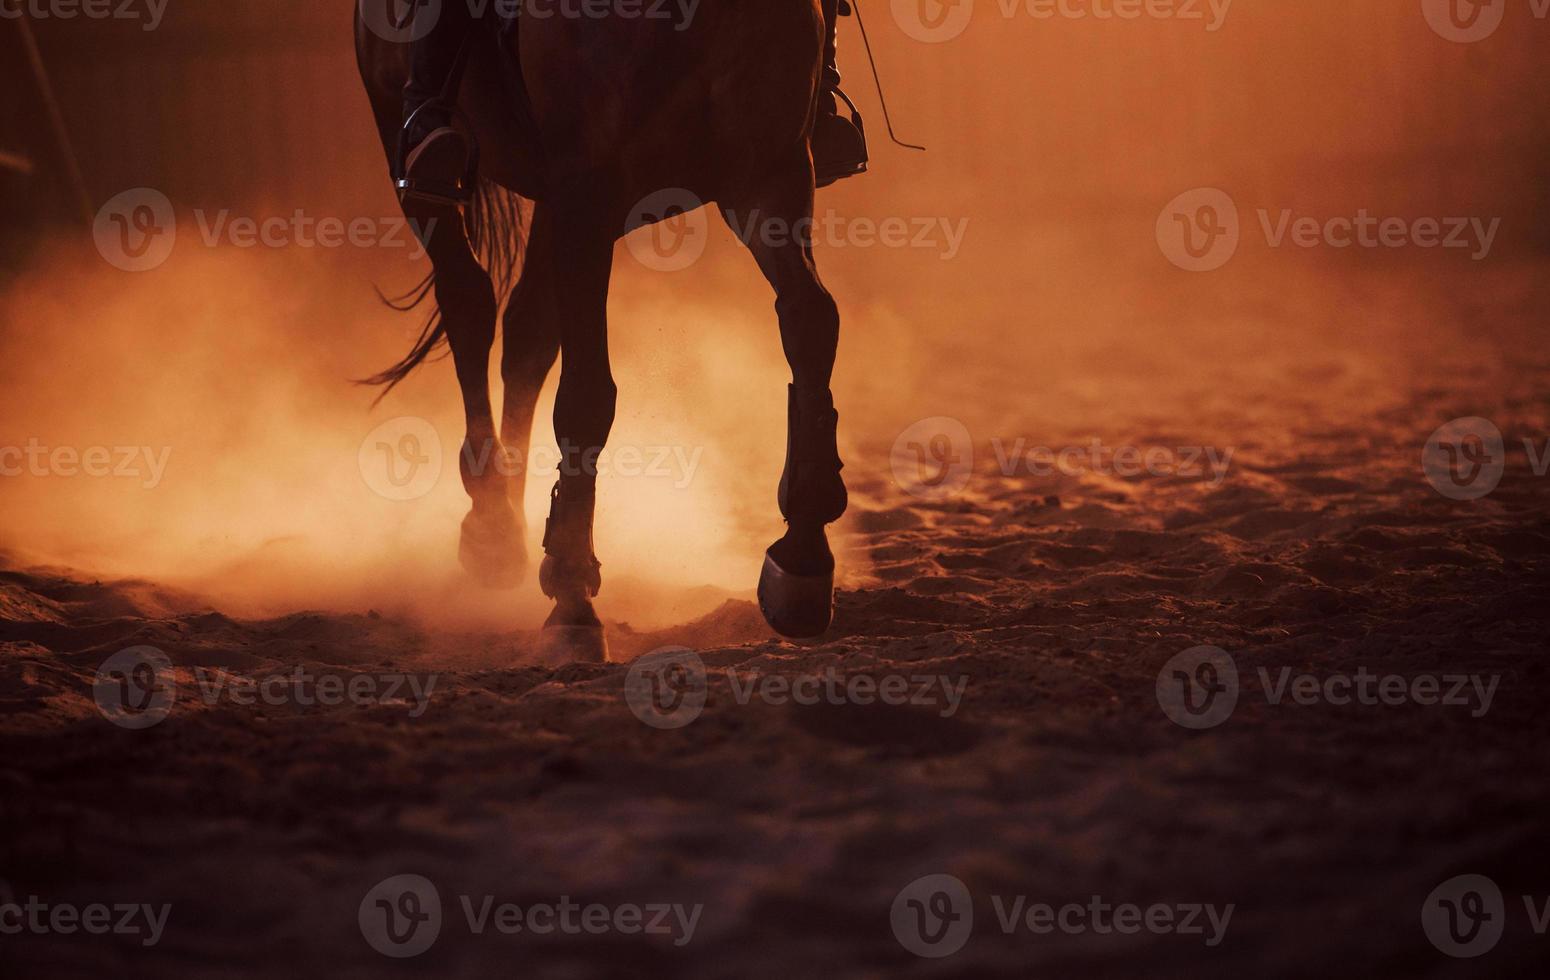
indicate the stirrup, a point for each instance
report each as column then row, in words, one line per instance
column 437, row 193
column 852, row 161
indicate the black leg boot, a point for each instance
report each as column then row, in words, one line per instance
column 570, row 567
column 571, row 575
column 796, row 589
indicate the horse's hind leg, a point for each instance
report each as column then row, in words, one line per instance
column 491, row 546
column 583, row 416
column 530, row 344
column 796, row 589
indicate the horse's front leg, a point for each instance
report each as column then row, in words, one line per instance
column 583, row 415
column 796, row 587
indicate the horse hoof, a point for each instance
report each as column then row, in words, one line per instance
column 796, row 606
column 572, row 644
column 492, row 551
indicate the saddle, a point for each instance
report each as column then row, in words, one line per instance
column 443, row 170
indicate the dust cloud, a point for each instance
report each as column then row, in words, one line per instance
column 1029, row 298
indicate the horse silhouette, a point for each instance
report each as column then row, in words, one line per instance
column 587, row 117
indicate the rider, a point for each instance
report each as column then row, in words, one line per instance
column 438, row 154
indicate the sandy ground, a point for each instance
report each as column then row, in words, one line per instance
column 1053, row 600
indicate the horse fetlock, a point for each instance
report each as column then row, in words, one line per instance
column 491, row 547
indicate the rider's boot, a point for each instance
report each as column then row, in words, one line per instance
column 436, row 155
column 839, row 142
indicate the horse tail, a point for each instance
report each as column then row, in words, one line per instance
column 496, row 223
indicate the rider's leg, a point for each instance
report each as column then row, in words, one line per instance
column 432, row 60
column 435, row 154
column 839, row 146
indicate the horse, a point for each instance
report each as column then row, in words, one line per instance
column 585, row 117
